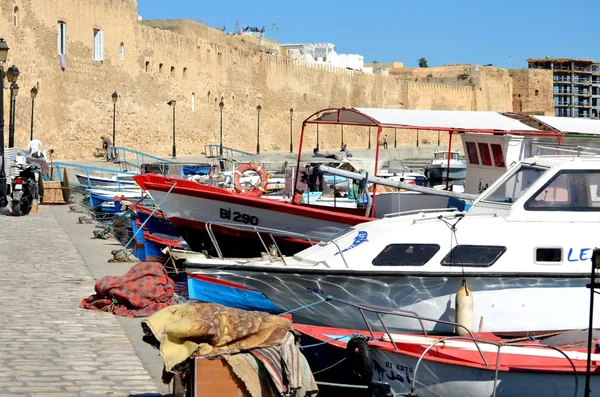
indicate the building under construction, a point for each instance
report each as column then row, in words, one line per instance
column 576, row 86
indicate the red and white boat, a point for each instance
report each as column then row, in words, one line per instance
column 190, row 206
column 482, row 365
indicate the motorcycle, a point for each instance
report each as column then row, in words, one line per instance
column 24, row 190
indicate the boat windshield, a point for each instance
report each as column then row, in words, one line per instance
column 444, row 156
column 515, row 186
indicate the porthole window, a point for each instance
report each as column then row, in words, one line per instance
column 406, row 255
column 473, row 255
column 548, row 255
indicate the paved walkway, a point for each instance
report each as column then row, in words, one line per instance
column 49, row 347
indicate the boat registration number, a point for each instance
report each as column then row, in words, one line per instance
column 237, row 216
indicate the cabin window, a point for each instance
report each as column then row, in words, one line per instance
column 472, row 153
column 516, row 185
column 406, row 255
column 548, row 255
column 572, row 190
column 498, row 155
column 484, row 151
column 473, row 255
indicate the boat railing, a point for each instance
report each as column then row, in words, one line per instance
column 422, row 211
column 214, row 150
column 59, row 166
column 537, row 149
column 130, row 158
column 378, row 311
column 272, row 233
column 497, row 364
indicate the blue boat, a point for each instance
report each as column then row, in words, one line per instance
column 157, row 222
column 99, row 196
column 138, row 240
column 212, row 290
column 155, row 243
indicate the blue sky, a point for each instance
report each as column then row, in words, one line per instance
column 443, row 31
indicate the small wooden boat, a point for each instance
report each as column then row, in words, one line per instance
column 482, row 365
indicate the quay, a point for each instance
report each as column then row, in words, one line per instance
column 49, row 346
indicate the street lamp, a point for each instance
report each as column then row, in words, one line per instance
column 3, row 56
column 172, row 103
column 114, row 97
column 417, row 138
column 369, row 138
column 34, row 92
column 342, row 135
column 395, row 138
column 221, row 106
column 13, row 76
column 317, row 137
column 258, row 109
column 291, row 143
column 438, row 138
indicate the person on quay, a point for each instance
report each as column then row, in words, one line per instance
column 108, row 146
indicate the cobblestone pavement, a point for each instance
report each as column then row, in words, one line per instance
column 49, row 347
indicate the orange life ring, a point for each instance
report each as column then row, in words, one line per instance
column 254, row 190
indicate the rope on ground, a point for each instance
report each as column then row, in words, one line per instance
column 122, row 255
column 327, row 299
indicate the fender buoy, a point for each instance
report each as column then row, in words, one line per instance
column 253, row 190
column 464, row 309
column 358, row 356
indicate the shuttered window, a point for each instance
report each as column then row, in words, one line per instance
column 62, row 38
column 98, row 45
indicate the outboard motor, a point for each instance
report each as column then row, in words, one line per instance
column 24, row 190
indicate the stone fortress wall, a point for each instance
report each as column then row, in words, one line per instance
column 196, row 65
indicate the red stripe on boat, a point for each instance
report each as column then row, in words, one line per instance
column 220, row 282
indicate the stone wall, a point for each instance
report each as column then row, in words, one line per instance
column 533, row 91
column 193, row 64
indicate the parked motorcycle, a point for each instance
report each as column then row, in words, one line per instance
column 24, row 190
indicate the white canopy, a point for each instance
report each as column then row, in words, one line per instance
column 442, row 120
column 571, row 125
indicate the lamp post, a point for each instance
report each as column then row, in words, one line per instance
column 114, row 97
column 221, row 106
column 417, row 138
column 172, row 103
column 34, row 92
column 258, row 109
column 317, row 137
column 291, row 143
column 3, row 56
column 438, row 138
column 13, row 76
column 369, row 147
column 395, row 138
column 342, row 135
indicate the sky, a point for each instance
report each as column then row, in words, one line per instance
column 502, row 33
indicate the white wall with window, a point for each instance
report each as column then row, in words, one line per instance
column 62, row 38
column 98, row 45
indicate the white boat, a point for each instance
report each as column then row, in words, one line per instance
column 117, row 180
column 441, row 168
column 524, row 248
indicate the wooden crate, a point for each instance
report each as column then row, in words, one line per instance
column 53, row 193
column 214, row 378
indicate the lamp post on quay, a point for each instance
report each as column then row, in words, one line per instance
column 221, row 106
column 258, row 109
column 114, row 97
column 342, row 136
column 3, row 56
column 172, row 103
column 369, row 138
column 34, row 92
column 12, row 75
column 291, row 138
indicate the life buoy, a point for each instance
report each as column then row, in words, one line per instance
column 253, row 190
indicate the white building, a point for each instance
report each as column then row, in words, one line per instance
column 323, row 53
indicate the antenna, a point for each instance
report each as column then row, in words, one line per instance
column 509, row 62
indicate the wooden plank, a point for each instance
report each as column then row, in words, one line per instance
column 214, row 378
column 53, row 193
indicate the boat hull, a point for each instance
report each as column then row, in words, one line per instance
column 507, row 304
column 441, row 172
column 154, row 244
